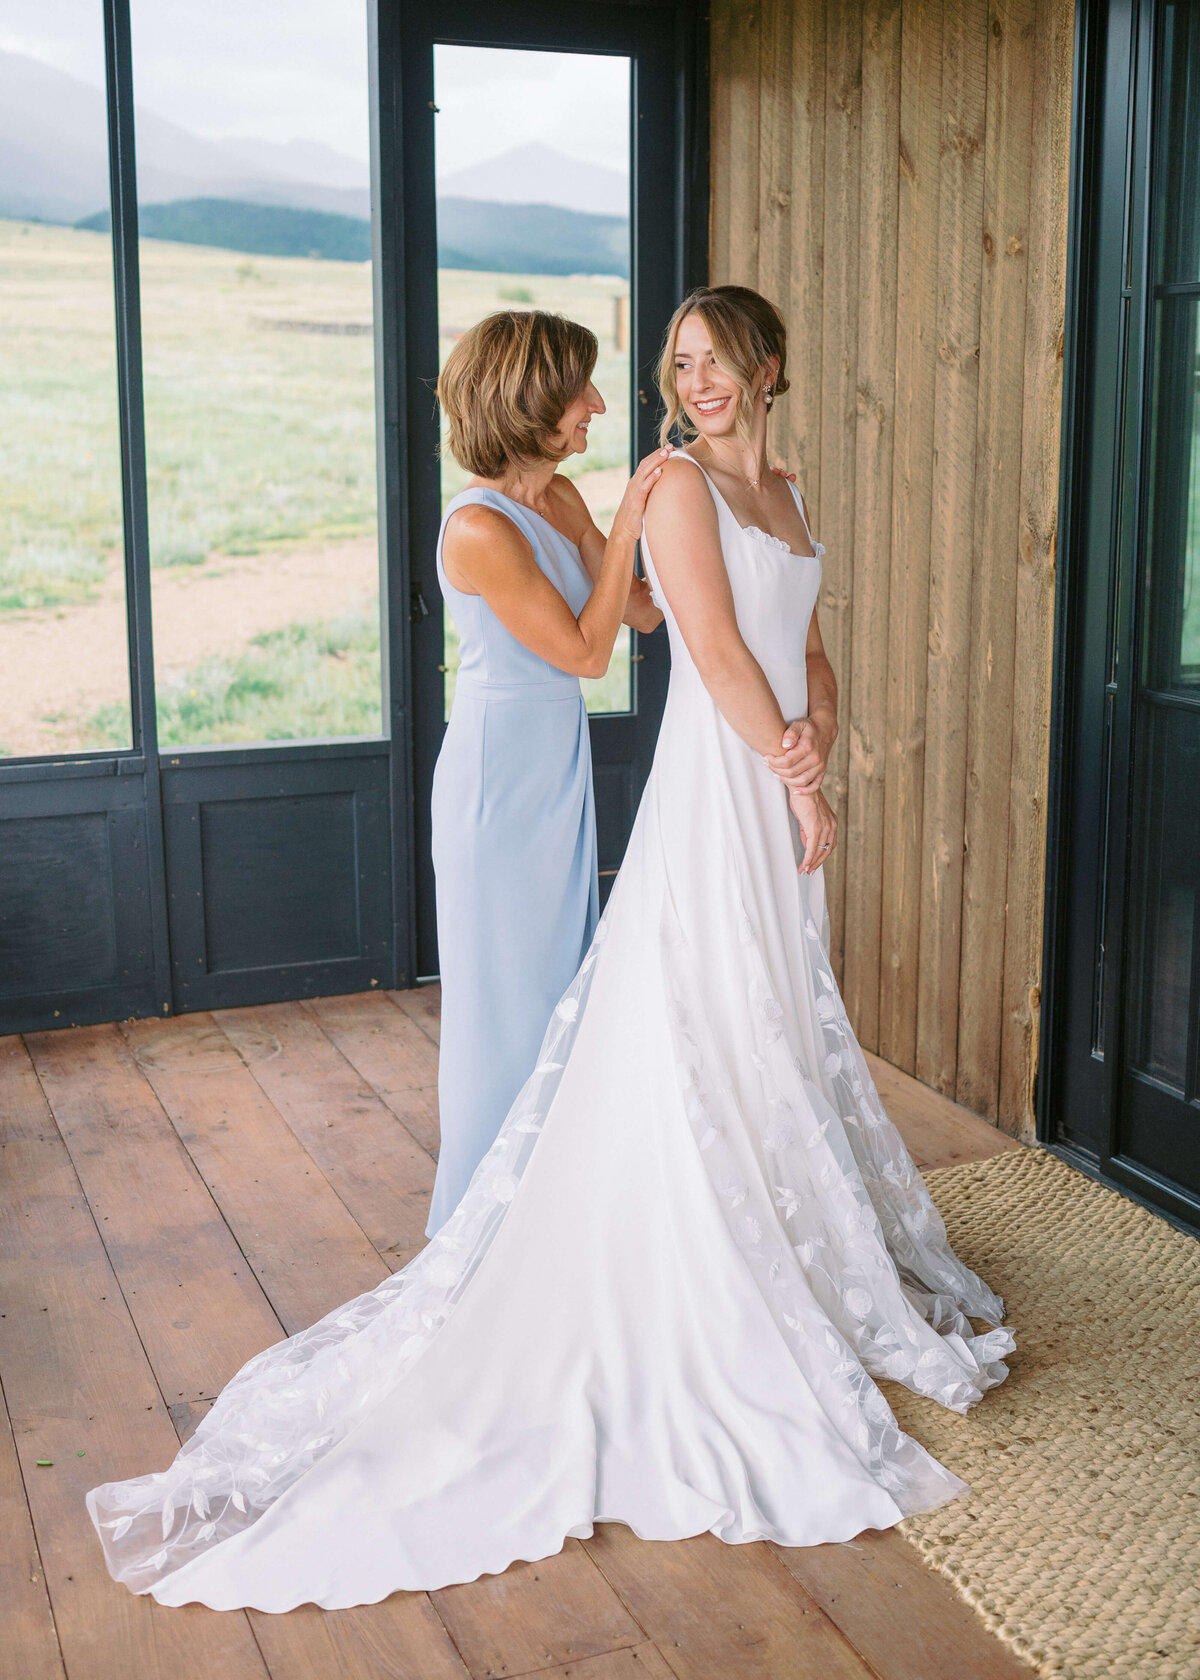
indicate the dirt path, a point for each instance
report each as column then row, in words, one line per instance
column 60, row 665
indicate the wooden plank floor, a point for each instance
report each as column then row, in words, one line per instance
column 177, row 1194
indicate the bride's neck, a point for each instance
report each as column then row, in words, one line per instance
column 731, row 454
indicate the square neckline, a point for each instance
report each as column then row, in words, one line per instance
column 757, row 530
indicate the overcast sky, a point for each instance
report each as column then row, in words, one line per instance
column 227, row 67
column 576, row 103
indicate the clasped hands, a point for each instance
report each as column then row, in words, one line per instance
column 800, row 765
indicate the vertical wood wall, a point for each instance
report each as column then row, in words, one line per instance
column 893, row 173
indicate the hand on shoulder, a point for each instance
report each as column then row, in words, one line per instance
column 681, row 522
column 677, row 471
column 679, row 488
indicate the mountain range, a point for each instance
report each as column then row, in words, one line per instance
column 54, row 157
column 54, row 162
column 531, row 210
column 536, row 174
column 495, row 238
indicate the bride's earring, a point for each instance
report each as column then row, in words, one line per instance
column 767, row 397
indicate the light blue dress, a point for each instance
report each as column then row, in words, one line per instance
column 514, row 851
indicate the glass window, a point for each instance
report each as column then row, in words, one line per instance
column 258, row 348
column 533, row 212
column 63, row 658
column 1172, row 625
column 1165, row 881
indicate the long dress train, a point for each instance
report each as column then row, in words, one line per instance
column 667, row 1292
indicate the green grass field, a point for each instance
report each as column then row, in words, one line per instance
column 301, row 682
column 260, row 435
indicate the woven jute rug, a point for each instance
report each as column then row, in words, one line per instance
column 1079, row 1544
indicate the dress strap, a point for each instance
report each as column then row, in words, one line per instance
column 800, row 504
column 817, row 548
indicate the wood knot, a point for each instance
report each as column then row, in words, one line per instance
column 989, row 245
column 862, row 756
column 960, row 140
column 1015, row 245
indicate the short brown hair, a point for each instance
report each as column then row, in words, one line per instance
column 507, row 384
column 746, row 330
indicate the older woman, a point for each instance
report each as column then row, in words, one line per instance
column 537, row 595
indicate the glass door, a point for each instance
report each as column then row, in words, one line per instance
column 523, row 224
column 546, row 159
column 1159, row 1122
column 1120, row 1056
column 258, row 333
column 63, row 658
column 232, row 244
column 79, row 935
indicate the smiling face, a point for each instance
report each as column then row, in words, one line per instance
column 709, row 393
column 571, row 435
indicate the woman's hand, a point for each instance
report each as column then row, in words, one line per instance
column 628, row 521
column 804, row 756
column 818, row 828
column 640, row 610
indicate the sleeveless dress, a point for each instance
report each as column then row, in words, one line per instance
column 514, row 854
column 672, row 1285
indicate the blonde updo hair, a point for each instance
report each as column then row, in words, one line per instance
column 507, row 384
column 746, row 332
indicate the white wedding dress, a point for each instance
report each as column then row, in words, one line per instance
column 666, row 1295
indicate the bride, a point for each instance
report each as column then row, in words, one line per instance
column 667, row 1295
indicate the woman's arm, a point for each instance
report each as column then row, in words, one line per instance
column 640, row 611
column 681, row 525
column 684, row 538
column 484, row 554
column 808, row 741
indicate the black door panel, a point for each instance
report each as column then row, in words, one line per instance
column 1121, row 1046
column 76, row 938
column 278, row 876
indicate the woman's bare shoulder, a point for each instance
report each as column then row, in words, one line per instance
column 477, row 529
column 475, row 520
column 682, row 488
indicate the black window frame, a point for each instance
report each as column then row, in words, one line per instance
column 151, row 880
